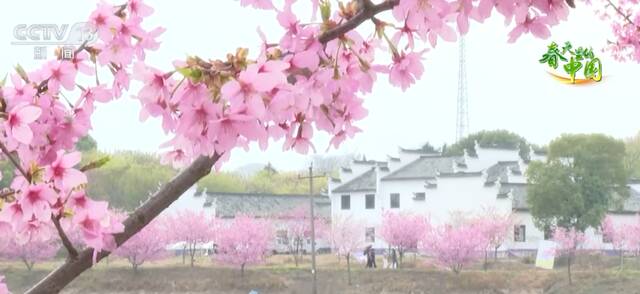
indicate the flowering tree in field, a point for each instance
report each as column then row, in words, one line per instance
column 403, row 231
column 30, row 252
column 298, row 228
column 147, row 245
column 622, row 236
column 347, row 236
column 245, row 241
column 495, row 227
column 455, row 246
column 568, row 242
column 192, row 229
column 313, row 78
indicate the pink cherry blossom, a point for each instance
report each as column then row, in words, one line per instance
column 17, row 123
column 406, row 68
column 20, row 92
column 36, row 201
column 104, row 21
column 535, row 25
column 259, row 4
column 62, row 173
column 60, row 73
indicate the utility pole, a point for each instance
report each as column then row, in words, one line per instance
column 462, row 115
column 313, row 229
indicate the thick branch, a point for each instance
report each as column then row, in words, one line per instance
column 73, row 253
column 365, row 13
column 14, row 161
column 72, row 268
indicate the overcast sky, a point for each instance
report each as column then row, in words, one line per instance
column 507, row 87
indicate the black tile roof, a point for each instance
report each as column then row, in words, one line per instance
column 363, row 182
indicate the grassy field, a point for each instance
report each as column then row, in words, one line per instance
column 592, row 274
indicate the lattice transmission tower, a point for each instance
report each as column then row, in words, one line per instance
column 462, row 116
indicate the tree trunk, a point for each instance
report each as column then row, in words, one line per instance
column 486, row 262
column 192, row 253
column 349, row 270
column 621, row 259
column 296, row 251
column 184, row 253
column 495, row 254
column 72, row 268
column 569, row 268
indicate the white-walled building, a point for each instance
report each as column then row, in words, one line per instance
column 443, row 186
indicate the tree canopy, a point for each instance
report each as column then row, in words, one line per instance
column 493, row 138
column 582, row 178
column 632, row 158
column 127, row 179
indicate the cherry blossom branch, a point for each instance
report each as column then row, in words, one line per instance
column 7, row 194
column 15, row 162
column 621, row 13
column 170, row 192
column 366, row 12
column 41, row 86
column 369, row 10
column 73, row 253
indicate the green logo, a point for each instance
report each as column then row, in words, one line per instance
column 579, row 59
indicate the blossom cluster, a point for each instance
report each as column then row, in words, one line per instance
column 624, row 18
column 41, row 122
column 303, row 83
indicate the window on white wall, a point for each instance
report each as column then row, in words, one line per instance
column 281, row 237
column 345, row 202
column 370, row 235
column 519, row 233
column 370, row 201
column 419, row 196
column 395, row 200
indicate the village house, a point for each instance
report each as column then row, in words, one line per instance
column 445, row 186
column 275, row 207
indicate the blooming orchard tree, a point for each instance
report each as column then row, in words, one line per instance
column 245, row 241
column 455, row 246
column 298, row 228
column 192, row 229
column 30, row 252
column 313, row 77
column 620, row 235
column 495, row 227
column 403, row 231
column 147, row 245
column 568, row 242
column 347, row 237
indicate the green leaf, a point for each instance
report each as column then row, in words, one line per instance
column 194, row 74
column 325, row 10
column 4, row 81
column 96, row 163
column 22, row 73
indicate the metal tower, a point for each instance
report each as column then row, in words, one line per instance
column 462, row 116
